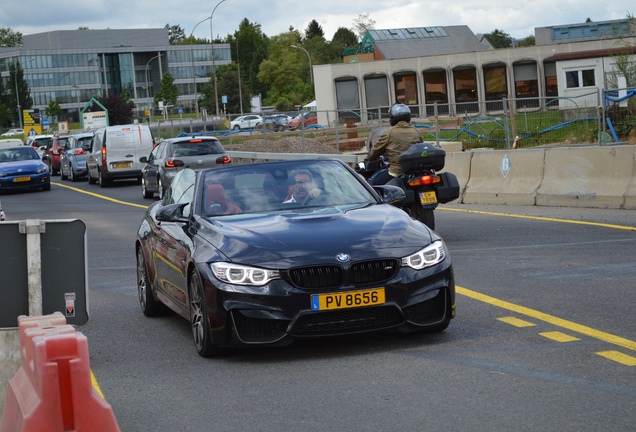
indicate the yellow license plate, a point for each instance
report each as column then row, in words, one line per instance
column 122, row 165
column 349, row 299
column 21, row 179
column 428, row 197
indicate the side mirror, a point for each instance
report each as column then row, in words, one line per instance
column 173, row 213
column 143, row 159
column 390, row 194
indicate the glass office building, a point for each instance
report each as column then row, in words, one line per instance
column 73, row 66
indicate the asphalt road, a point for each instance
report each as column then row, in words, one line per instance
column 544, row 339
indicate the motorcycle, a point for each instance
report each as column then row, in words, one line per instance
column 423, row 187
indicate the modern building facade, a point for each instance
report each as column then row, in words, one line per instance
column 451, row 70
column 73, row 66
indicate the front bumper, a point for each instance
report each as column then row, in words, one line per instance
column 414, row 301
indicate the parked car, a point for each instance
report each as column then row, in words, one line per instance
column 116, row 151
column 249, row 121
column 54, row 150
column 22, row 168
column 303, row 120
column 175, row 154
column 276, row 122
column 12, row 132
column 36, row 141
column 73, row 160
column 10, row 142
column 223, row 250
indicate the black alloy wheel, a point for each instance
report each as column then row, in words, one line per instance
column 199, row 318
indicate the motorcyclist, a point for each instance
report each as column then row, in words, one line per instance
column 394, row 141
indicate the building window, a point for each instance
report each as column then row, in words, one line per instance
column 376, row 92
column 436, row 90
column 465, row 81
column 406, row 91
column 580, row 78
column 348, row 99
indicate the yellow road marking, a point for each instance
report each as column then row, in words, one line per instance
column 516, row 322
column 559, row 337
column 559, row 322
column 619, row 357
column 96, row 385
column 100, row 196
column 541, row 218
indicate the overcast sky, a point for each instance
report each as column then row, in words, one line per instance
column 518, row 19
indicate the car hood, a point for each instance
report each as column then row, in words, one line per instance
column 284, row 239
column 27, row 166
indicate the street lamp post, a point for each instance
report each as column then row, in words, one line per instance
column 194, row 75
column 216, row 97
column 146, row 71
column 79, row 107
column 17, row 93
column 311, row 72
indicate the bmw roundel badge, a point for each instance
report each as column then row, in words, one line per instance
column 343, row 257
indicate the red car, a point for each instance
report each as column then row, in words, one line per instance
column 310, row 118
column 53, row 151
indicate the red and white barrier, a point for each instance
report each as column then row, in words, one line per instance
column 52, row 390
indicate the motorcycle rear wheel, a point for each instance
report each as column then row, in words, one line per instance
column 426, row 216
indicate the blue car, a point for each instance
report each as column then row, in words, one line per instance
column 22, row 168
column 73, row 158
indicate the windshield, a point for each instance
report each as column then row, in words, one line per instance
column 276, row 186
column 18, row 154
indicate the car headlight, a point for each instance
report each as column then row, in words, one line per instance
column 42, row 170
column 243, row 275
column 429, row 256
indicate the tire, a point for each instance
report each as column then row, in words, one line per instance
column 149, row 306
column 62, row 175
column 71, row 175
column 103, row 182
column 199, row 321
column 91, row 180
column 236, row 127
column 160, row 190
column 426, row 216
column 146, row 194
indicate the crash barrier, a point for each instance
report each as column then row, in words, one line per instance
column 52, row 390
column 594, row 176
column 588, row 177
column 509, row 177
column 458, row 163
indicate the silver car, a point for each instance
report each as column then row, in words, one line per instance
column 73, row 159
column 172, row 155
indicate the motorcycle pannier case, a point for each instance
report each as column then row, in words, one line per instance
column 448, row 189
column 422, row 156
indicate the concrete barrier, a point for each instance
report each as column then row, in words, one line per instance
column 504, row 177
column 596, row 177
column 630, row 195
column 458, row 163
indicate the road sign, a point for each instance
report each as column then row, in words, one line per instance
column 45, row 123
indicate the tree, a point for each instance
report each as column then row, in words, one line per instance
column 53, row 109
column 227, row 85
column 9, row 38
column 342, row 38
column 362, row 25
column 249, row 48
column 314, row 29
column 499, row 39
column 175, row 34
column 168, row 90
column 120, row 111
column 527, row 41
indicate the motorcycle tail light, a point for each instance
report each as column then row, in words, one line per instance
column 174, row 163
column 425, row 180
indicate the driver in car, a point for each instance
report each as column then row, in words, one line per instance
column 304, row 188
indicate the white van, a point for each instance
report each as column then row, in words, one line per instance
column 116, row 151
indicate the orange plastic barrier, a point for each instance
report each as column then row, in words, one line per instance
column 52, row 390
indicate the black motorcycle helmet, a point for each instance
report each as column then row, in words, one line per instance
column 399, row 112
